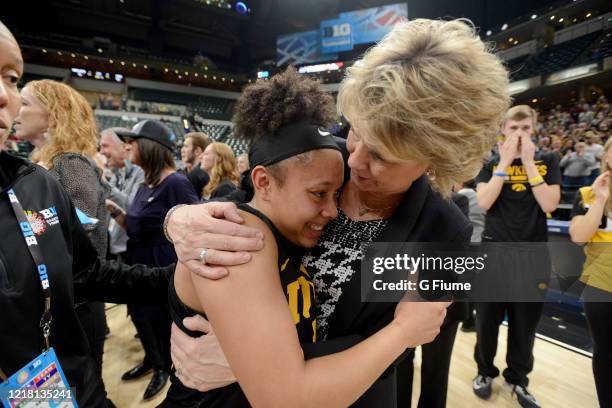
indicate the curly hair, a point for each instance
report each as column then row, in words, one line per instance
column 430, row 91
column 225, row 168
column 72, row 124
column 286, row 98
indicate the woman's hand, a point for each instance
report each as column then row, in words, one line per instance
column 601, row 187
column 215, row 227
column 420, row 320
column 199, row 362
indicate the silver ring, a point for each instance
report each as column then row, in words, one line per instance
column 203, row 256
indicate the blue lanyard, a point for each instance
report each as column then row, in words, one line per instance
column 37, row 257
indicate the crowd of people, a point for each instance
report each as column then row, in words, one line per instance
column 576, row 134
column 256, row 259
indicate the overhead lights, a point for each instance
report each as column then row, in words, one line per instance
column 516, row 42
column 134, row 65
column 561, row 20
column 111, row 61
column 122, row 62
column 510, row 39
column 100, row 50
column 176, row 71
column 146, row 67
column 86, row 57
column 489, row 32
column 59, row 53
column 534, row 16
column 73, row 56
column 552, row 17
column 588, row 15
column 504, row 26
column 165, row 69
column 44, row 51
column 534, row 100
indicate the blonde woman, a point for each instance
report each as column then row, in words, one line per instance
column 61, row 125
column 592, row 224
column 219, row 162
column 428, row 98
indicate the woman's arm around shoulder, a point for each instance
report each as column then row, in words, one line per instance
column 251, row 318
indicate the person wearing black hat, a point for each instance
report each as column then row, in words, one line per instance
column 151, row 144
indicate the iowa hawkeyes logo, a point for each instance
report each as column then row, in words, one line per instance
column 518, row 187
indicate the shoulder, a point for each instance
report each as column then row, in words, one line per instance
column 447, row 221
column 177, row 180
column 71, row 158
column 269, row 252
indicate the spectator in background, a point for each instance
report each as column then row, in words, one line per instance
column 191, row 154
column 587, row 116
column 568, row 147
column 61, row 118
column 477, row 218
column 595, row 149
column 577, row 166
column 243, row 163
column 219, row 162
column 516, row 194
column 125, row 179
column 592, row 224
column 544, row 144
column 151, row 148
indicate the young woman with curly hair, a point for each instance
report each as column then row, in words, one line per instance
column 219, row 162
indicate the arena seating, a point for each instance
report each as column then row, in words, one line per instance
column 555, row 58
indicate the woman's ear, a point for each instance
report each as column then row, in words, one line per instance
column 262, row 182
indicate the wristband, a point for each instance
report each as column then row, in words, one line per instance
column 537, row 184
column 168, row 214
column 500, row 174
column 535, row 180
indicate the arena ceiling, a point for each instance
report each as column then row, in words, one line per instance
column 181, row 28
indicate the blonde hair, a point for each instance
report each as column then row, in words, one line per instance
column 520, row 112
column 225, row 167
column 606, row 167
column 430, row 91
column 72, row 124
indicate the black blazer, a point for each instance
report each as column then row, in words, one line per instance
column 422, row 216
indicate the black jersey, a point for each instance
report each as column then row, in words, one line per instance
column 299, row 291
column 516, row 215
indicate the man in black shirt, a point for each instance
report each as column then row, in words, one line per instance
column 517, row 187
column 194, row 145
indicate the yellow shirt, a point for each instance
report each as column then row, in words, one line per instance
column 597, row 269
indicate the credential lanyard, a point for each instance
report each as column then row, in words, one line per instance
column 37, row 256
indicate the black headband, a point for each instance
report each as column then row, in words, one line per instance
column 289, row 141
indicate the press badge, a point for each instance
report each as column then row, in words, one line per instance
column 40, row 383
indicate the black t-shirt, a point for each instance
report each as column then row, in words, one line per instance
column 516, row 215
column 199, row 178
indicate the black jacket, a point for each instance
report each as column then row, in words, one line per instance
column 75, row 274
